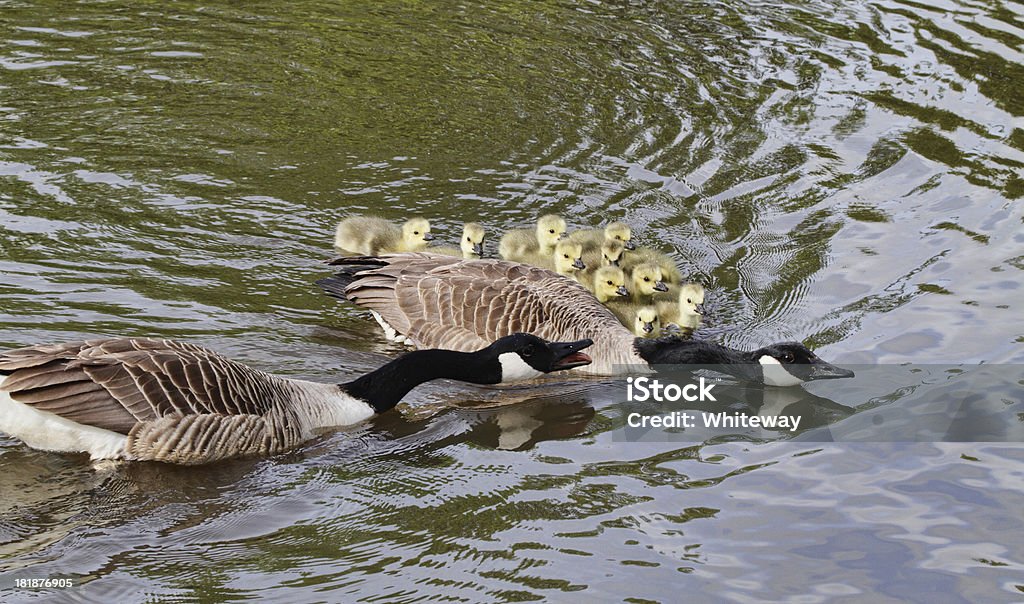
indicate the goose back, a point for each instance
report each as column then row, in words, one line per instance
column 444, row 302
column 166, row 401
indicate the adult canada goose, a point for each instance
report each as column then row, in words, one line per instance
column 372, row 235
column 439, row 301
column 685, row 308
column 593, row 238
column 607, row 283
column 517, row 244
column 147, row 399
column 645, row 255
column 471, row 245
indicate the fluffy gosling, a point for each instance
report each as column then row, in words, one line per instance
column 607, row 283
column 370, row 235
column 669, row 271
column 686, row 310
column 614, row 231
column 646, row 280
column 471, row 245
column 518, row 244
column 646, row 322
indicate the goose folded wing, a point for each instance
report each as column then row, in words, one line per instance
column 115, row 384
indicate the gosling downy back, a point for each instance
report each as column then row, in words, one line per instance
column 372, row 235
column 518, row 244
column 614, row 232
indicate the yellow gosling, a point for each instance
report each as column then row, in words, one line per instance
column 471, row 245
column 518, row 244
column 371, row 235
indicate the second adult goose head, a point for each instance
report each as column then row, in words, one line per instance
column 437, row 301
column 147, row 399
column 781, row 364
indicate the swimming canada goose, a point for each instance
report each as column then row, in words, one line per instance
column 471, row 245
column 606, row 283
column 439, row 301
column 372, row 235
column 520, row 243
column 644, row 255
column 593, row 238
column 148, row 399
column 685, row 309
column 646, row 323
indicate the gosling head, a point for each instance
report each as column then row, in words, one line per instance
column 647, row 279
column 619, row 231
column 568, row 258
column 646, row 323
column 550, row 229
column 691, row 300
column 791, row 363
column 472, row 242
column 522, row 356
column 611, row 253
column 609, row 284
column 416, row 234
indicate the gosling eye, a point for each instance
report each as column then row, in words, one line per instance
column 552, row 231
column 415, row 232
column 528, row 351
column 609, row 283
column 565, row 255
column 647, row 278
column 618, row 237
column 468, row 239
column 689, row 301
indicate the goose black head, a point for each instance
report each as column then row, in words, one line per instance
column 792, row 363
column 524, row 356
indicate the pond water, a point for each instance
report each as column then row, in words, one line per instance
column 845, row 174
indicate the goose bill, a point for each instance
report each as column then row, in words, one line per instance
column 568, row 355
column 822, row 370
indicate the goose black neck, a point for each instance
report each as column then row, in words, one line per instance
column 383, row 388
column 671, row 350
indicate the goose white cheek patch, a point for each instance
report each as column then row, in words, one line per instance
column 513, row 368
column 775, row 373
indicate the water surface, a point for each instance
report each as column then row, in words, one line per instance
column 846, row 174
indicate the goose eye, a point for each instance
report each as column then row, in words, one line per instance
column 528, row 351
column 787, row 357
